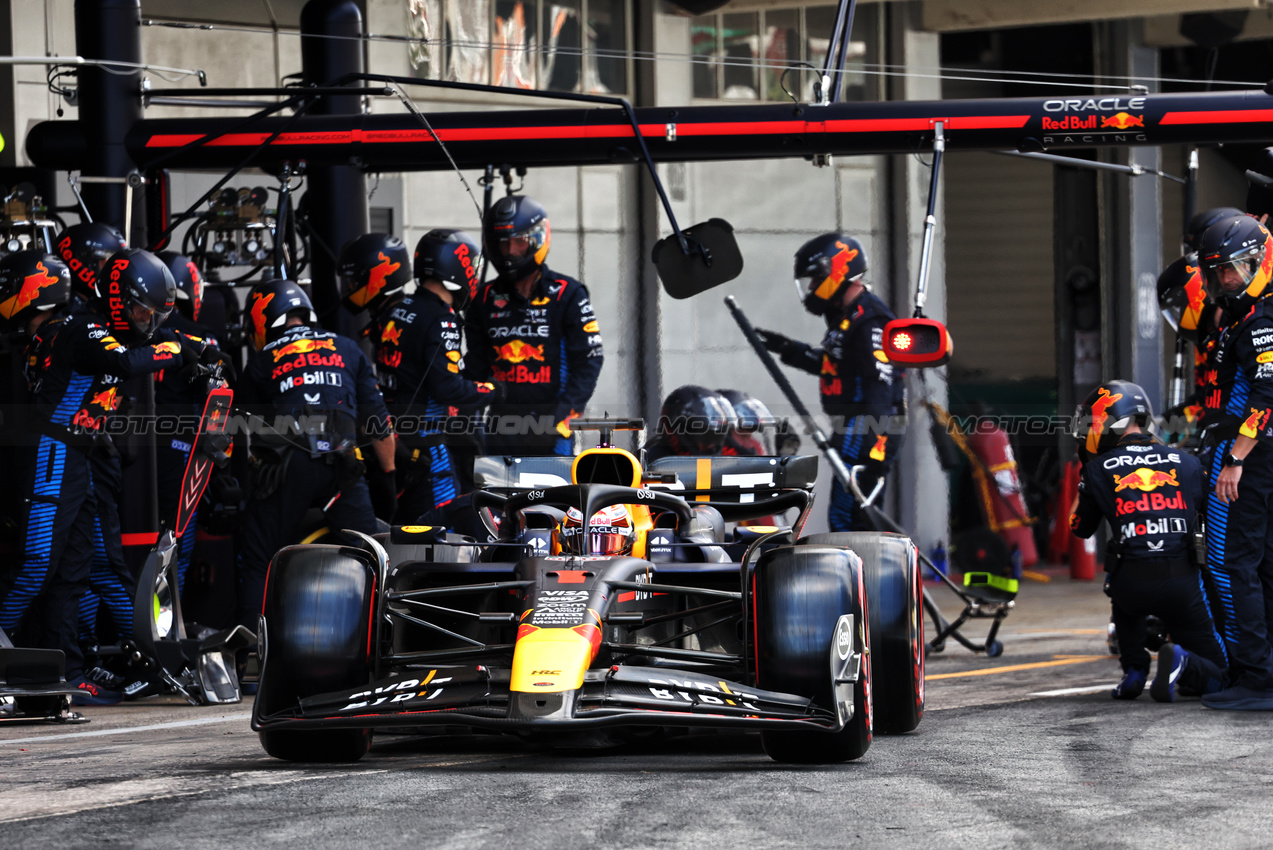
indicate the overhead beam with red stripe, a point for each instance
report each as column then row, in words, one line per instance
column 545, row 137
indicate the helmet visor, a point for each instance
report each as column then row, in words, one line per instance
column 527, row 244
column 145, row 320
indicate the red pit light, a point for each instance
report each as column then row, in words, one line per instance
column 918, row 342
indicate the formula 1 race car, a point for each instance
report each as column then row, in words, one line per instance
column 580, row 631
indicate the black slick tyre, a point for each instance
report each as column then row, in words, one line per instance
column 890, row 565
column 316, row 623
column 800, row 595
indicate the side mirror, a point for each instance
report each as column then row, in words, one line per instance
column 713, row 259
column 921, row 343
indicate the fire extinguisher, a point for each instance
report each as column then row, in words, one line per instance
column 999, row 486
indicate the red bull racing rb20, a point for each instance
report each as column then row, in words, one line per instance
column 560, row 636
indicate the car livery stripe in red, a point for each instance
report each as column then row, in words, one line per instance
column 1229, row 116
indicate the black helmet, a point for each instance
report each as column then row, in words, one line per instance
column 517, row 236
column 696, row 420
column 373, row 268
column 1183, row 299
column 1199, row 223
column 751, row 417
column 136, row 292
column 1238, row 245
column 1105, row 414
column 84, row 247
column 189, row 283
column 30, row 282
column 451, row 256
column 269, row 305
column 824, row 267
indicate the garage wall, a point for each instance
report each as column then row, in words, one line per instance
column 999, row 269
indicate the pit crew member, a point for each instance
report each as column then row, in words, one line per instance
column 861, row 390
column 1149, row 494
column 313, row 394
column 75, row 364
column 693, row 421
column 1237, row 262
column 533, row 329
column 418, row 341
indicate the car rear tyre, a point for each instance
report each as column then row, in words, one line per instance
column 890, row 564
column 316, row 624
column 800, row 595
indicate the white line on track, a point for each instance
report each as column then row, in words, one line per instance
column 126, row 730
column 1090, row 689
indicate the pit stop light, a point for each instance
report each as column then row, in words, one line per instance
column 918, row 342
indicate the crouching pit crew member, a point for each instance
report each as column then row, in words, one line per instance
column 1149, row 494
column 313, row 393
column 75, row 363
column 860, row 388
column 417, row 340
column 1236, row 256
column 534, row 330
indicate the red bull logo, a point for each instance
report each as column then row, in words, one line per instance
column 518, row 351
column 1145, row 479
column 465, row 256
column 1197, row 297
column 377, row 280
column 32, row 286
column 105, row 400
column 829, row 367
column 877, row 451
column 1100, row 415
column 839, row 269
column 258, row 318
column 303, row 346
column 391, row 335
column 1123, row 121
column 1254, row 424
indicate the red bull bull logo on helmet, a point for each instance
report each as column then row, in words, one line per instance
column 376, row 281
column 1100, row 415
column 32, row 286
column 839, row 269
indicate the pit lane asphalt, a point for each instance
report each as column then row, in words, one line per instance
column 1026, row 750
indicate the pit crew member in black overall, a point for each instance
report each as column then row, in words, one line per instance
column 313, row 394
column 694, row 421
column 418, row 362
column 861, row 390
column 1237, row 262
column 1149, row 494
column 75, row 365
column 534, row 330
column 751, row 418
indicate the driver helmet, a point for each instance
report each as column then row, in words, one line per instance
column 84, row 248
column 450, row 257
column 696, row 420
column 30, row 283
column 270, row 304
column 517, row 236
column 189, row 283
column 1183, row 299
column 136, row 294
column 1199, row 224
column 609, row 533
column 825, row 266
column 373, row 268
column 1236, row 255
column 1103, row 417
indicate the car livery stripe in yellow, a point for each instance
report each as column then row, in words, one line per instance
column 553, row 660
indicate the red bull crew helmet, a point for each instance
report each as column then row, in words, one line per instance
column 517, row 236
column 825, row 267
column 30, row 283
column 373, row 268
column 1182, row 297
column 609, row 533
column 270, row 304
column 1236, row 255
column 189, row 283
column 84, row 247
column 453, row 258
column 136, row 292
column 1103, row 417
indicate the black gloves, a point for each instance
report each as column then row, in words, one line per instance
column 497, row 392
column 777, row 343
column 191, row 354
